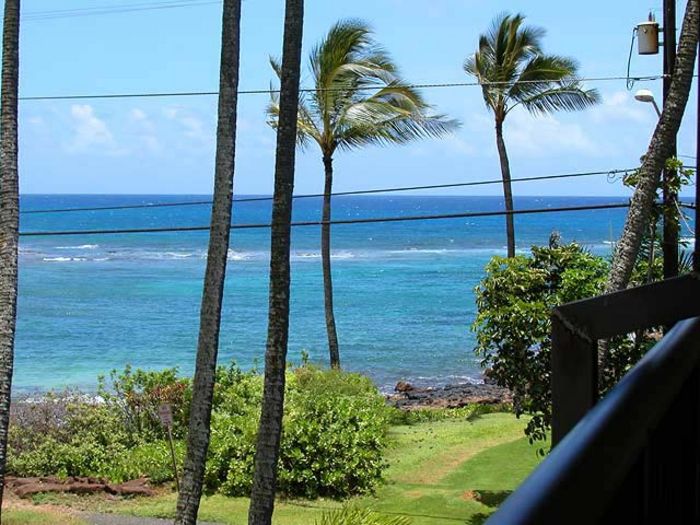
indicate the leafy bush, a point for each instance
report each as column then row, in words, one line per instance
column 138, row 394
column 332, row 443
column 334, row 434
column 84, row 442
column 514, row 302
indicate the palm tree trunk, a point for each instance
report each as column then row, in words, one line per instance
column 9, row 218
column 659, row 150
column 212, row 297
column 507, row 190
column 326, row 263
column 262, row 499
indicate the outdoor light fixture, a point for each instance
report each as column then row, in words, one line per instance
column 648, row 36
column 644, row 95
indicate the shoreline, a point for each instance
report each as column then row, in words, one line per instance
column 407, row 396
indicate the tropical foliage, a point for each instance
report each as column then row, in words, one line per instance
column 358, row 99
column 513, row 71
column 332, row 444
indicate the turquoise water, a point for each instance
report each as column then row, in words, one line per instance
column 403, row 291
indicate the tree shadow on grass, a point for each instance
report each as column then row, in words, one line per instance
column 488, row 498
column 478, row 519
column 491, row 498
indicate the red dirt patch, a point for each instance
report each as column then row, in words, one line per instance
column 25, row 487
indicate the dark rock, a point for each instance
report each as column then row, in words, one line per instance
column 403, row 386
column 449, row 396
column 25, row 487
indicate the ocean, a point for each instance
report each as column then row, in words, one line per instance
column 404, row 292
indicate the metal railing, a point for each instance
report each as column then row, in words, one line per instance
column 633, row 457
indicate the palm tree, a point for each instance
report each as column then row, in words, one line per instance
column 513, row 71
column 262, row 498
column 9, row 218
column 219, row 233
column 358, row 99
column 660, row 149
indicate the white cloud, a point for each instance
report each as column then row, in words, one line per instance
column 145, row 130
column 171, row 112
column 621, row 106
column 90, row 132
column 539, row 136
column 36, row 121
column 193, row 127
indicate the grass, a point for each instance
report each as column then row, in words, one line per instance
column 38, row 517
column 454, row 471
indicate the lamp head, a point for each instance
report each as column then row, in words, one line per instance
column 644, row 95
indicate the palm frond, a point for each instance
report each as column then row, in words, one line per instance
column 567, row 97
column 306, row 127
column 359, row 97
column 513, row 70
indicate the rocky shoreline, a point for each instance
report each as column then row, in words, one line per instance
column 409, row 397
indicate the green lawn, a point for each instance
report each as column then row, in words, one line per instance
column 37, row 517
column 439, row 473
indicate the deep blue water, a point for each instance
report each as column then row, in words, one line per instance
column 403, row 291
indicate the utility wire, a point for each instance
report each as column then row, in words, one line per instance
column 114, row 9
column 336, row 194
column 368, row 220
column 645, row 78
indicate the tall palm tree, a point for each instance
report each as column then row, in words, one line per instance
column 9, row 217
column 660, row 149
column 219, row 233
column 262, row 498
column 513, row 71
column 359, row 99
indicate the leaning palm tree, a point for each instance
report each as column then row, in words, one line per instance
column 212, row 297
column 262, row 498
column 660, row 149
column 513, row 71
column 9, row 218
column 358, row 99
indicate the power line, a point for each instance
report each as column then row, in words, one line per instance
column 337, row 194
column 115, row 9
column 368, row 220
column 646, row 78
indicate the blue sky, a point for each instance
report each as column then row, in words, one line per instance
column 167, row 145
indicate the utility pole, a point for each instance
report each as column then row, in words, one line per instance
column 670, row 196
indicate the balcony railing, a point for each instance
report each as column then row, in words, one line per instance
column 633, row 457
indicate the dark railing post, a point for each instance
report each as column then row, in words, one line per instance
column 574, row 377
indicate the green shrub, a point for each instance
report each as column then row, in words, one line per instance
column 512, row 325
column 84, row 442
column 514, row 303
column 334, row 434
column 152, row 460
column 332, row 443
column 138, row 394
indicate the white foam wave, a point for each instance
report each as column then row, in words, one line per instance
column 79, row 247
column 317, row 255
column 238, row 256
column 177, row 255
column 64, row 259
